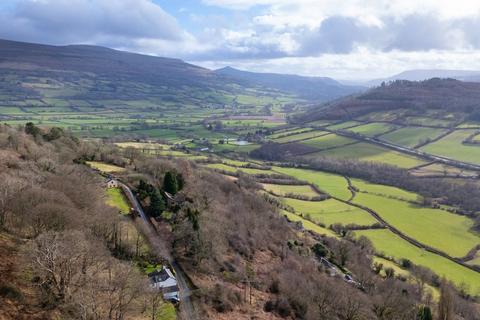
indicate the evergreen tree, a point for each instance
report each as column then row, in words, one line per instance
column 424, row 313
column 157, row 204
column 32, row 129
column 170, row 183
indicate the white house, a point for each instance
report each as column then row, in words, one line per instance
column 165, row 280
column 112, row 183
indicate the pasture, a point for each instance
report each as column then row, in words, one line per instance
column 105, row 167
column 327, row 141
column 387, row 191
column 282, row 190
column 451, row 146
column 227, row 168
column 412, row 136
column 391, row 245
column 436, row 228
column 372, row 129
column 330, row 212
column 369, row 152
column 301, row 136
column 330, row 183
column 308, row 225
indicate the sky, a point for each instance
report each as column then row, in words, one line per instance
column 343, row 39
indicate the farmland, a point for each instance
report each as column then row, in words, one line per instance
column 429, row 226
column 412, row 136
column 282, row 190
column 104, row 167
column 372, row 129
column 393, row 246
column 369, row 152
column 327, row 141
column 451, row 146
column 331, row 211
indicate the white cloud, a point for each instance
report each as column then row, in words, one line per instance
column 106, row 22
column 362, row 64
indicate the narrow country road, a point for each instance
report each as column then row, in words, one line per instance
column 186, row 307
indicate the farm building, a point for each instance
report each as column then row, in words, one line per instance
column 112, row 183
column 165, row 281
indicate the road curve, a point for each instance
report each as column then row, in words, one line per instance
column 187, row 309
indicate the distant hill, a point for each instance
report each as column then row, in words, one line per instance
column 425, row 74
column 80, row 72
column 440, row 95
column 311, row 88
column 36, row 74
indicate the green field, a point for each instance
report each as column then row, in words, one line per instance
column 332, row 184
column 451, row 146
column 301, row 136
column 105, row 167
column 227, row 168
column 290, row 131
column 372, row 129
column 412, row 136
column 282, row 190
column 369, row 152
column 380, row 189
column 393, row 246
column 476, row 260
column 441, row 169
column 117, row 199
column 344, row 125
column 331, row 211
column 433, row 227
column 308, row 225
column 327, row 141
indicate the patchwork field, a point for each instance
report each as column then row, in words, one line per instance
column 332, row 184
column 344, row 125
column 434, row 227
column 369, row 152
column 451, row 146
column 227, row 168
column 412, row 136
column 301, row 136
column 104, row 167
column 308, row 225
column 330, row 212
column 383, row 190
column 282, row 190
column 327, row 141
column 393, row 246
column 372, row 129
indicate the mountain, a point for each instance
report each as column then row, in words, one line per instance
column 311, row 88
column 440, row 96
column 79, row 72
column 425, row 74
column 34, row 74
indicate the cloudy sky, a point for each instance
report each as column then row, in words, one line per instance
column 347, row 39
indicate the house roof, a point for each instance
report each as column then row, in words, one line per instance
column 161, row 275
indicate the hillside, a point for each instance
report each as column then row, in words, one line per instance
column 442, row 96
column 425, row 74
column 311, row 88
column 78, row 72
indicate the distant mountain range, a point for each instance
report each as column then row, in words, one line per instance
column 312, row 88
column 80, row 72
column 425, row 74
